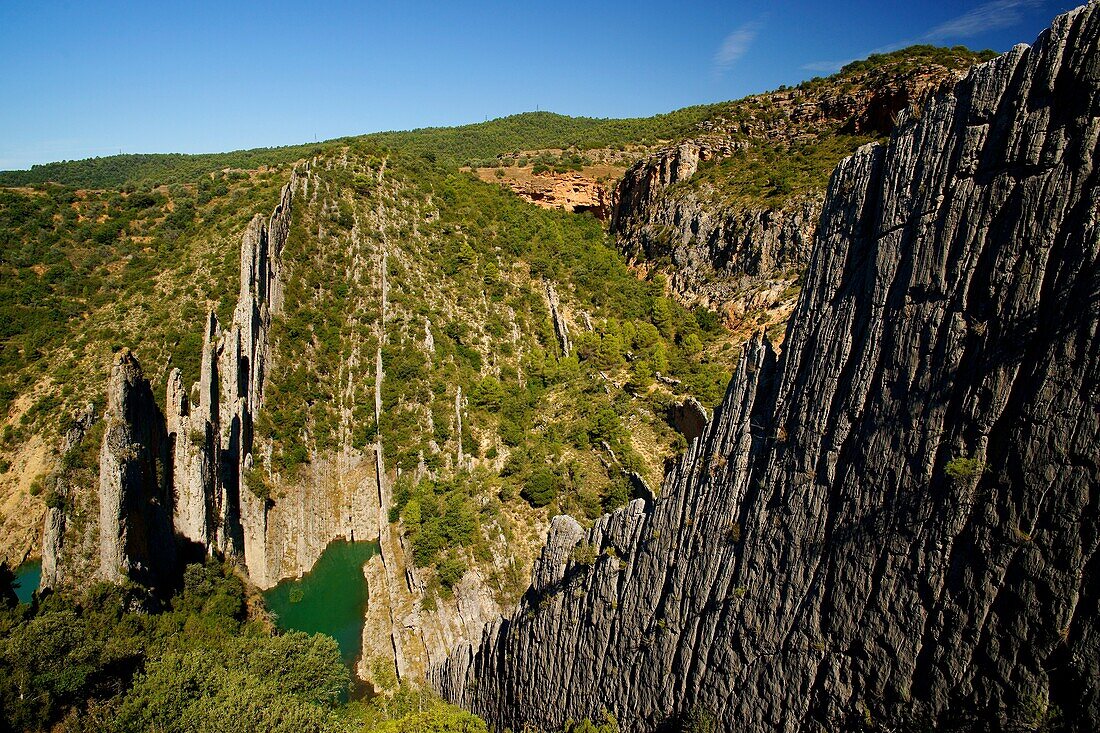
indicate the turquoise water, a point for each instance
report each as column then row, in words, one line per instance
column 27, row 577
column 329, row 599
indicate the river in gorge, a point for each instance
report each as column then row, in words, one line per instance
column 330, row 599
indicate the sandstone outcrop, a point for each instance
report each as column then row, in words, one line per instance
column 894, row 525
column 576, row 192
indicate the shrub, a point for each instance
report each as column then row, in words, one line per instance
column 541, row 487
column 450, row 570
column 584, row 553
column 962, row 468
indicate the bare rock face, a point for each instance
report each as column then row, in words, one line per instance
column 895, row 525
column 574, row 192
column 642, row 184
column 53, row 531
column 721, row 255
column 136, row 538
column 216, row 508
column 718, row 256
column 174, row 486
column 561, row 327
column 689, row 418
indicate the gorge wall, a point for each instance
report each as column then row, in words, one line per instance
column 726, row 248
column 176, row 483
column 896, row 522
column 197, row 479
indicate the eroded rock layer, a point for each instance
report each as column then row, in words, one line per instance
column 896, row 523
column 173, row 486
column 732, row 251
column 136, row 538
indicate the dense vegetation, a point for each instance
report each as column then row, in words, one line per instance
column 466, row 320
column 914, row 57
column 85, row 272
column 772, row 174
column 449, row 146
column 117, row 659
column 481, row 143
column 151, row 169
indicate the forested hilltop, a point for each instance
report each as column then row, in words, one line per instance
column 479, row 144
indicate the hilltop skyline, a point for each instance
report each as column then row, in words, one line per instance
column 106, row 78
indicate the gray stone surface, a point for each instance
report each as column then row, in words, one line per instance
column 561, row 327
column 820, row 559
column 215, row 508
column 56, row 520
column 173, row 485
column 725, row 252
column 136, row 538
column 689, row 418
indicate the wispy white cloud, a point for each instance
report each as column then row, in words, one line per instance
column 986, row 17
column 735, row 45
column 989, row 16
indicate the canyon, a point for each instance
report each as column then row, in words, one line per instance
column 520, row 394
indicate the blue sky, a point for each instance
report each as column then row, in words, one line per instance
column 94, row 78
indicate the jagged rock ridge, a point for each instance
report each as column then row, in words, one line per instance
column 896, row 523
column 136, row 538
column 175, row 483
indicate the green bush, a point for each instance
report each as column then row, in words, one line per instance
column 963, row 468
column 189, row 667
column 541, row 487
column 584, row 553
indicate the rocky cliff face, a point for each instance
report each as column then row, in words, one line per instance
column 171, row 484
column 54, row 550
column 136, row 537
column 215, row 508
column 199, row 480
column 896, row 523
column 735, row 255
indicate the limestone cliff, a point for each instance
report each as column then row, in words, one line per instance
column 136, row 537
column 199, row 480
column 895, row 524
column 725, row 249
column 55, row 553
column 170, row 483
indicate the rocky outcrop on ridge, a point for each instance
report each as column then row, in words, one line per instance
column 136, row 537
column 174, row 485
column 895, row 524
column 723, row 254
column 574, row 192
column 561, row 328
column 218, row 493
column 57, row 514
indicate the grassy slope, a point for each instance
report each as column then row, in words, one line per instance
column 447, row 145
column 779, row 158
column 84, row 272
